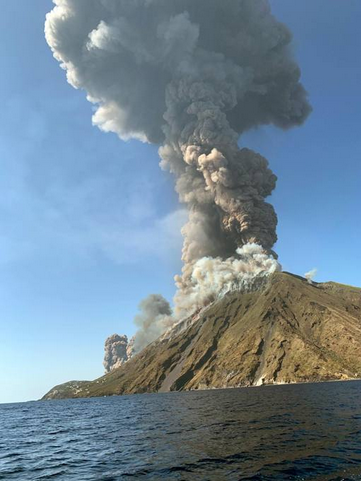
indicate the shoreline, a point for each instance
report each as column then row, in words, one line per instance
column 301, row 383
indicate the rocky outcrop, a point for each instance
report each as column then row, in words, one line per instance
column 290, row 331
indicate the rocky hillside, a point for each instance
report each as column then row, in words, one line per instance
column 290, row 331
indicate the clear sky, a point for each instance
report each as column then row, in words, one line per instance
column 83, row 239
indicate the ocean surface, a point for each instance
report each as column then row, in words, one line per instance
column 293, row 432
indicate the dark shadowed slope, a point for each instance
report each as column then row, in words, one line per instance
column 290, row 331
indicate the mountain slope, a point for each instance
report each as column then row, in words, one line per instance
column 290, row 331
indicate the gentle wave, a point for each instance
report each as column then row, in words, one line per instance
column 297, row 432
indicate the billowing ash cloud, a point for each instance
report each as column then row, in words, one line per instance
column 115, row 352
column 192, row 75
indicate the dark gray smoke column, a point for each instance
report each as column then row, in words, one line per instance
column 192, row 75
column 115, row 352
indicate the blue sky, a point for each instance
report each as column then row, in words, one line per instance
column 89, row 225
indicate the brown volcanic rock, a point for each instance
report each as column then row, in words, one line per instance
column 290, row 331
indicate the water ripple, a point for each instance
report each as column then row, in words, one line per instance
column 273, row 433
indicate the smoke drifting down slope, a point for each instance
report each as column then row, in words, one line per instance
column 192, row 75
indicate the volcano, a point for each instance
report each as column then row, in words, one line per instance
column 289, row 331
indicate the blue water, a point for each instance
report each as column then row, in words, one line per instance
column 270, row 433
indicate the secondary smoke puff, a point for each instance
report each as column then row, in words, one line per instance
column 192, row 75
column 310, row 275
column 154, row 318
column 115, row 352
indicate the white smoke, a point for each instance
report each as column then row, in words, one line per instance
column 212, row 278
column 311, row 275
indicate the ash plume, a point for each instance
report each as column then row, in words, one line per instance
column 115, row 352
column 191, row 75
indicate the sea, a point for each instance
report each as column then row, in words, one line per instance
column 290, row 432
